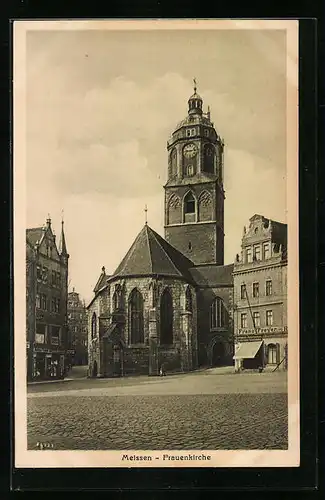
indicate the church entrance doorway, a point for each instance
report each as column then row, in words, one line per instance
column 218, row 354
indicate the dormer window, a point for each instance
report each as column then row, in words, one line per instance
column 188, row 132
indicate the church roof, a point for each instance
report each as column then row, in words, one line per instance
column 150, row 255
column 194, row 120
column 213, row 275
column 34, row 235
column 101, row 281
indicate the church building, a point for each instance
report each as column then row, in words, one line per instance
column 169, row 303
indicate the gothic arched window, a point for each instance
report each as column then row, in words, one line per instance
column 189, row 208
column 94, row 326
column 136, row 327
column 188, row 300
column 117, row 296
column 174, row 211
column 173, row 163
column 166, row 318
column 208, row 163
column 217, row 314
column 205, row 206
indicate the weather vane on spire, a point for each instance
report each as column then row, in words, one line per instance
column 62, row 216
column 194, row 82
column 145, row 212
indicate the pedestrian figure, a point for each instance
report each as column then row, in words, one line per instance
column 162, row 371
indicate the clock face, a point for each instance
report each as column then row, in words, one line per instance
column 190, row 151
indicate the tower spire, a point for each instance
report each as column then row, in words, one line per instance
column 62, row 245
column 194, row 84
column 146, row 214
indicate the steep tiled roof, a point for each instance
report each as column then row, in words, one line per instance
column 34, row 234
column 150, row 254
column 212, row 275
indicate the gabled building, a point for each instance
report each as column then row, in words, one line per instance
column 47, row 338
column 260, row 296
column 170, row 301
column 78, row 328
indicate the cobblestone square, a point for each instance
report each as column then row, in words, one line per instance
column 193, row 411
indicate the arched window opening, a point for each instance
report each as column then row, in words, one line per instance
column 205, row 206
column 189, row 208
column 190, row 170
column 115, row 301
column 208, row 164
column 173, row 163
column 218, row 314
column 166, row 318
column 188, row 300
column 94, row 326
column 136, row 327
column 174, row 210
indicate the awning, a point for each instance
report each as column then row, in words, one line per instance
column 247, row 350
column 109, row 330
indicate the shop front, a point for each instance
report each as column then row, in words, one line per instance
column 249, row 355
column 48, row 366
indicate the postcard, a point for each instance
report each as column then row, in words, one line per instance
column 156, row 260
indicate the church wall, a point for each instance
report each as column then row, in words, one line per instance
column 208, row 336
column 181, row 355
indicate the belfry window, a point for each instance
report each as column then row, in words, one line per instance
column 189, row 204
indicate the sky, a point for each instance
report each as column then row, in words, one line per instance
column 100, row 107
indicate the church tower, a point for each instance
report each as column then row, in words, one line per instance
column 194, row 194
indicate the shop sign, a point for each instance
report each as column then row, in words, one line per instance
column 269, row 329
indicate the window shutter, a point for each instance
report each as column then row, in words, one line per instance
column 278, row 353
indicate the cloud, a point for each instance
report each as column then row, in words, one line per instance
column 97, row 127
